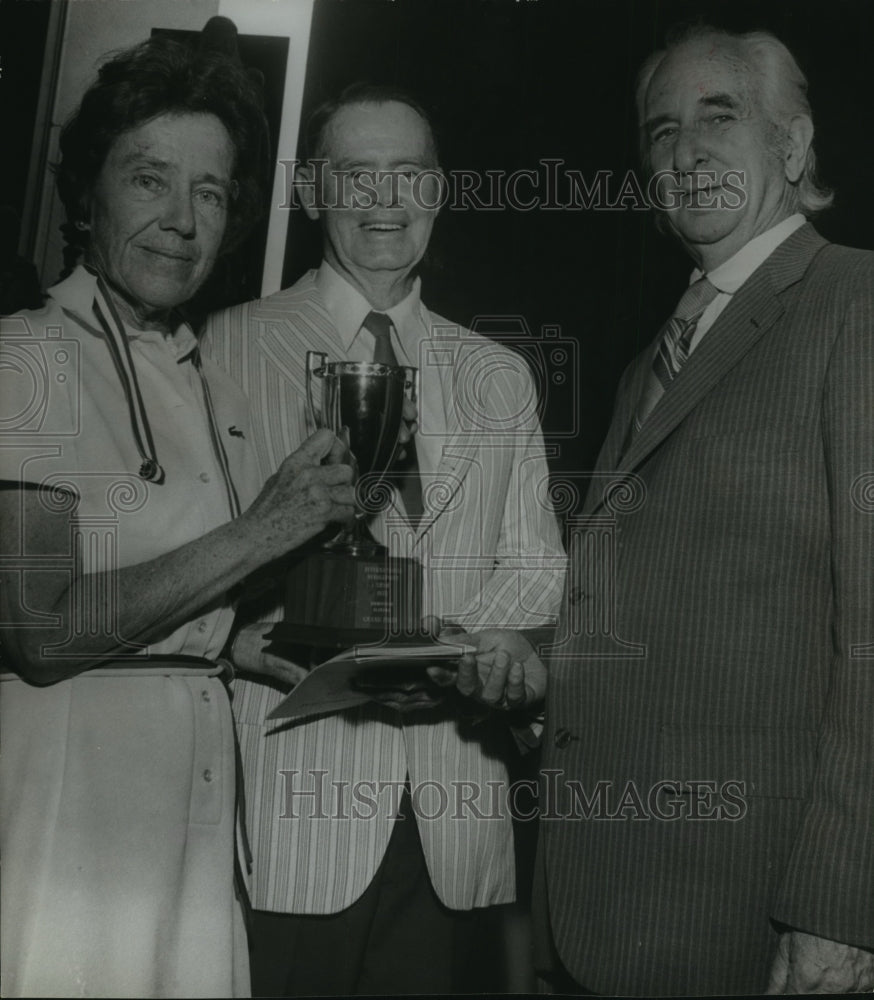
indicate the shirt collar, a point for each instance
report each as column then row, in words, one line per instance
column 348, row 309
column 76, row 294
column 731, row 274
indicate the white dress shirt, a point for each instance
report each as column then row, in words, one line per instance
column 732, row 273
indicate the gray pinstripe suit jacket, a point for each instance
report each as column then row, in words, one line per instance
column 744, row 569
column 492, row 554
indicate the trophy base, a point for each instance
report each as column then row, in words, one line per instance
column 333, row 598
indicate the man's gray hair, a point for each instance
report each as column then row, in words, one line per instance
column 778, row 86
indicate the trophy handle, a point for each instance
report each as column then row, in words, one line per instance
column 315, row 361
column 411, row 383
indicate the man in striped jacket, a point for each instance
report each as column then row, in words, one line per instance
column 348, row 900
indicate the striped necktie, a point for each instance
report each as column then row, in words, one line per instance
column 405, row 473
column 674, row 341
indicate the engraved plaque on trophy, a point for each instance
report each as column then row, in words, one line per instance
column 351, row 590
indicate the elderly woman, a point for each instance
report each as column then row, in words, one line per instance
column 128, row 515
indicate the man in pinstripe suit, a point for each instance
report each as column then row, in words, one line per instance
column 708, row 803
column 346, row 899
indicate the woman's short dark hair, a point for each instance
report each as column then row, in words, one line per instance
column 157, row 77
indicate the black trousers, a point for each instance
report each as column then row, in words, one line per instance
column 396, row 938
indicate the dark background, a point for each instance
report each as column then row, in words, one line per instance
column 511, row 82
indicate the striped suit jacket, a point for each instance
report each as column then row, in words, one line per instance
column 491, row 554
column 725, row 702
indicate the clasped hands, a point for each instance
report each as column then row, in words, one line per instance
column 504, row 673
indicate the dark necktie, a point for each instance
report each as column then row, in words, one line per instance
column 379, row 324
column 675, row 339
column 405, row 474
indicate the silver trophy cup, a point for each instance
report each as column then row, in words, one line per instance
column 351, row 590
column 362, row 403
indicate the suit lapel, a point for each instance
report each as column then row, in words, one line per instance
column 628, row 393
column 627, row 398
column 741, row 324
column 753, row 310
column 461, row 446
